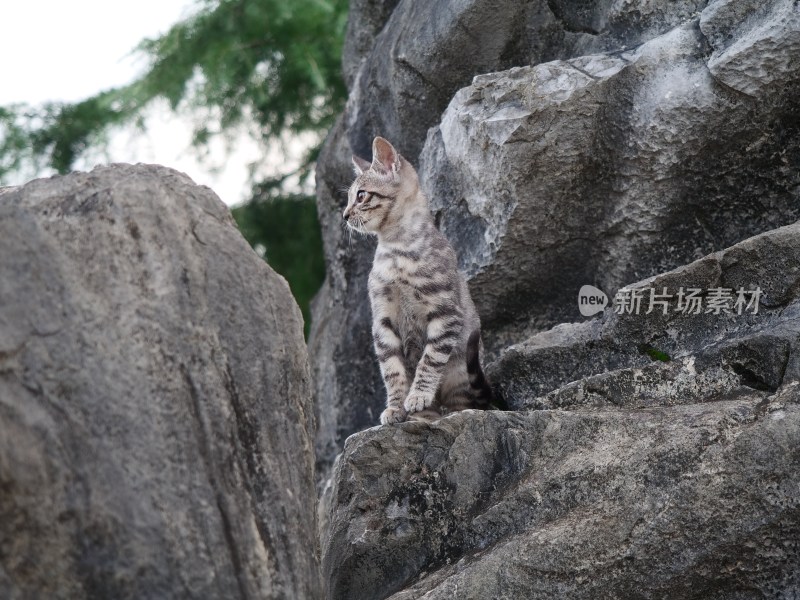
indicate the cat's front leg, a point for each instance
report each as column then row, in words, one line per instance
column 443, row 330
column 389, row 350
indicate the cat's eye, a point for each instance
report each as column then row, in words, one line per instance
column 361, row 196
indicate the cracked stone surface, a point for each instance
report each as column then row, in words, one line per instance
column 609, row 168
column 561, row 144
column 755, row 44
column 574, row 362
column 155, row 400
column 696, row 501
column 618, row 476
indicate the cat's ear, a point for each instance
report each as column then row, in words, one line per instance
column 384, row 157
column 360, row 165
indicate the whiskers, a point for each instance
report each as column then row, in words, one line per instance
column 355, row 224
column 359, row 225
column 349, row 232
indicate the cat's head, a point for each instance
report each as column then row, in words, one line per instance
column 383, row 190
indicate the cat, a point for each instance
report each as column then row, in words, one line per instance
column 425, row 328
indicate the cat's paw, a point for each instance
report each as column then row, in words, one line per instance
column 417, row 402
column 393, row 414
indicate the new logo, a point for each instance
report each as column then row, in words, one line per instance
column 591, row 300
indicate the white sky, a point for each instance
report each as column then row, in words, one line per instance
column 70, row 50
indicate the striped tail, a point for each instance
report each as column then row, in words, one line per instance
column 481, row 390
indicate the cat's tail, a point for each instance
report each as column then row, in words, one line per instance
column 479, row 386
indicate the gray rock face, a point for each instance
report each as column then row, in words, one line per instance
column 755, row 44
column 693, row 501
column 612, row 167
column 755, row 347
column 366, row 19
column 607, row 143
column 624, row 478
column 401, row 83
column 155, row 410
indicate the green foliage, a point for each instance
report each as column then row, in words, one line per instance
column 56, row 134
column 14, row 141
column 272, row 66
column 274, row 61
column 656, row 354
column 287, row 231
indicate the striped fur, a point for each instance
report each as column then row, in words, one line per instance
column 425, row 329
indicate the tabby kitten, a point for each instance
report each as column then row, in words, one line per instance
column 424, row 325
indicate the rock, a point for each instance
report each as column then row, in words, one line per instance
column 565, row 144
column 406, row 81
column 600, row 143
column 696, row 501
column 619, row 348
column 755, row 45
column 621, row 476
column 606, row 169
column 365, row 20
column 155, row 398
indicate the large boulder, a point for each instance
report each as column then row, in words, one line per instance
column 156, row 422
column 652, row 456
column 695, row 501
column 608, row 168
column 630, row 138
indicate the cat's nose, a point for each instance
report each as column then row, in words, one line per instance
column 346, row 214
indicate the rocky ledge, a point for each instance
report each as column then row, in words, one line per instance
column 651, row 456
